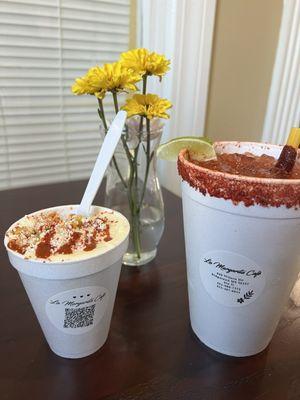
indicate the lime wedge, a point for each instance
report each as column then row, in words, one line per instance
column 200, row 148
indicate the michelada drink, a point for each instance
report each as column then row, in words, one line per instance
column 242, row 224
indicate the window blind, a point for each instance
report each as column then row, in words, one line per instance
column 46, row 133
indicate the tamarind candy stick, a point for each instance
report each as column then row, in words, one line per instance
column 288, row 155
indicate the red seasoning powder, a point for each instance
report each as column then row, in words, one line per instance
column 15, row 246
column 47, row 233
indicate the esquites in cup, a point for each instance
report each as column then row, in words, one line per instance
column 70, row 267
column 241, row 222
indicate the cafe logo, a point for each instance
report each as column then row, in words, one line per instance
column 230, row 278
column 78, row 310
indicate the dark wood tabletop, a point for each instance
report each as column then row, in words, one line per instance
column 151, row 352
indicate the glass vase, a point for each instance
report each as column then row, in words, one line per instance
column 132, row 187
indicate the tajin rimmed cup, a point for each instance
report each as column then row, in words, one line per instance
column 241, row 251
column 74, row 299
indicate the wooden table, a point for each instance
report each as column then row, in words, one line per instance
column 151, row 352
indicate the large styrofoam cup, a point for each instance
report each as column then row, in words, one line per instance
column 74, row 300
column 242, row 255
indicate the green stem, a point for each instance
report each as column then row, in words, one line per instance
column 144, row 83
column 128, row 154
column 144, row 92
column 148, row 162
column 101, row 114
column 118, row 171
column 103, row 119
column 114, row 93
column 126, row 148
column 140, row 133
column 131, row 192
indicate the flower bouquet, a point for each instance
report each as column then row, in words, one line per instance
column 132, row 184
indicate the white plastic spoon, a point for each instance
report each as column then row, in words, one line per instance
column 105, row 155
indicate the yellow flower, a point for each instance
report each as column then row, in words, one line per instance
column 110, row 77
column 147, row 105
column 83, row 86
column 113, row 77
column 144, row 62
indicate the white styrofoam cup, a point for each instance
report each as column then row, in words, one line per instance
column 242, row 263
column 73, row 300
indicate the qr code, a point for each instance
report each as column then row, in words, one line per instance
column 79, row 317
